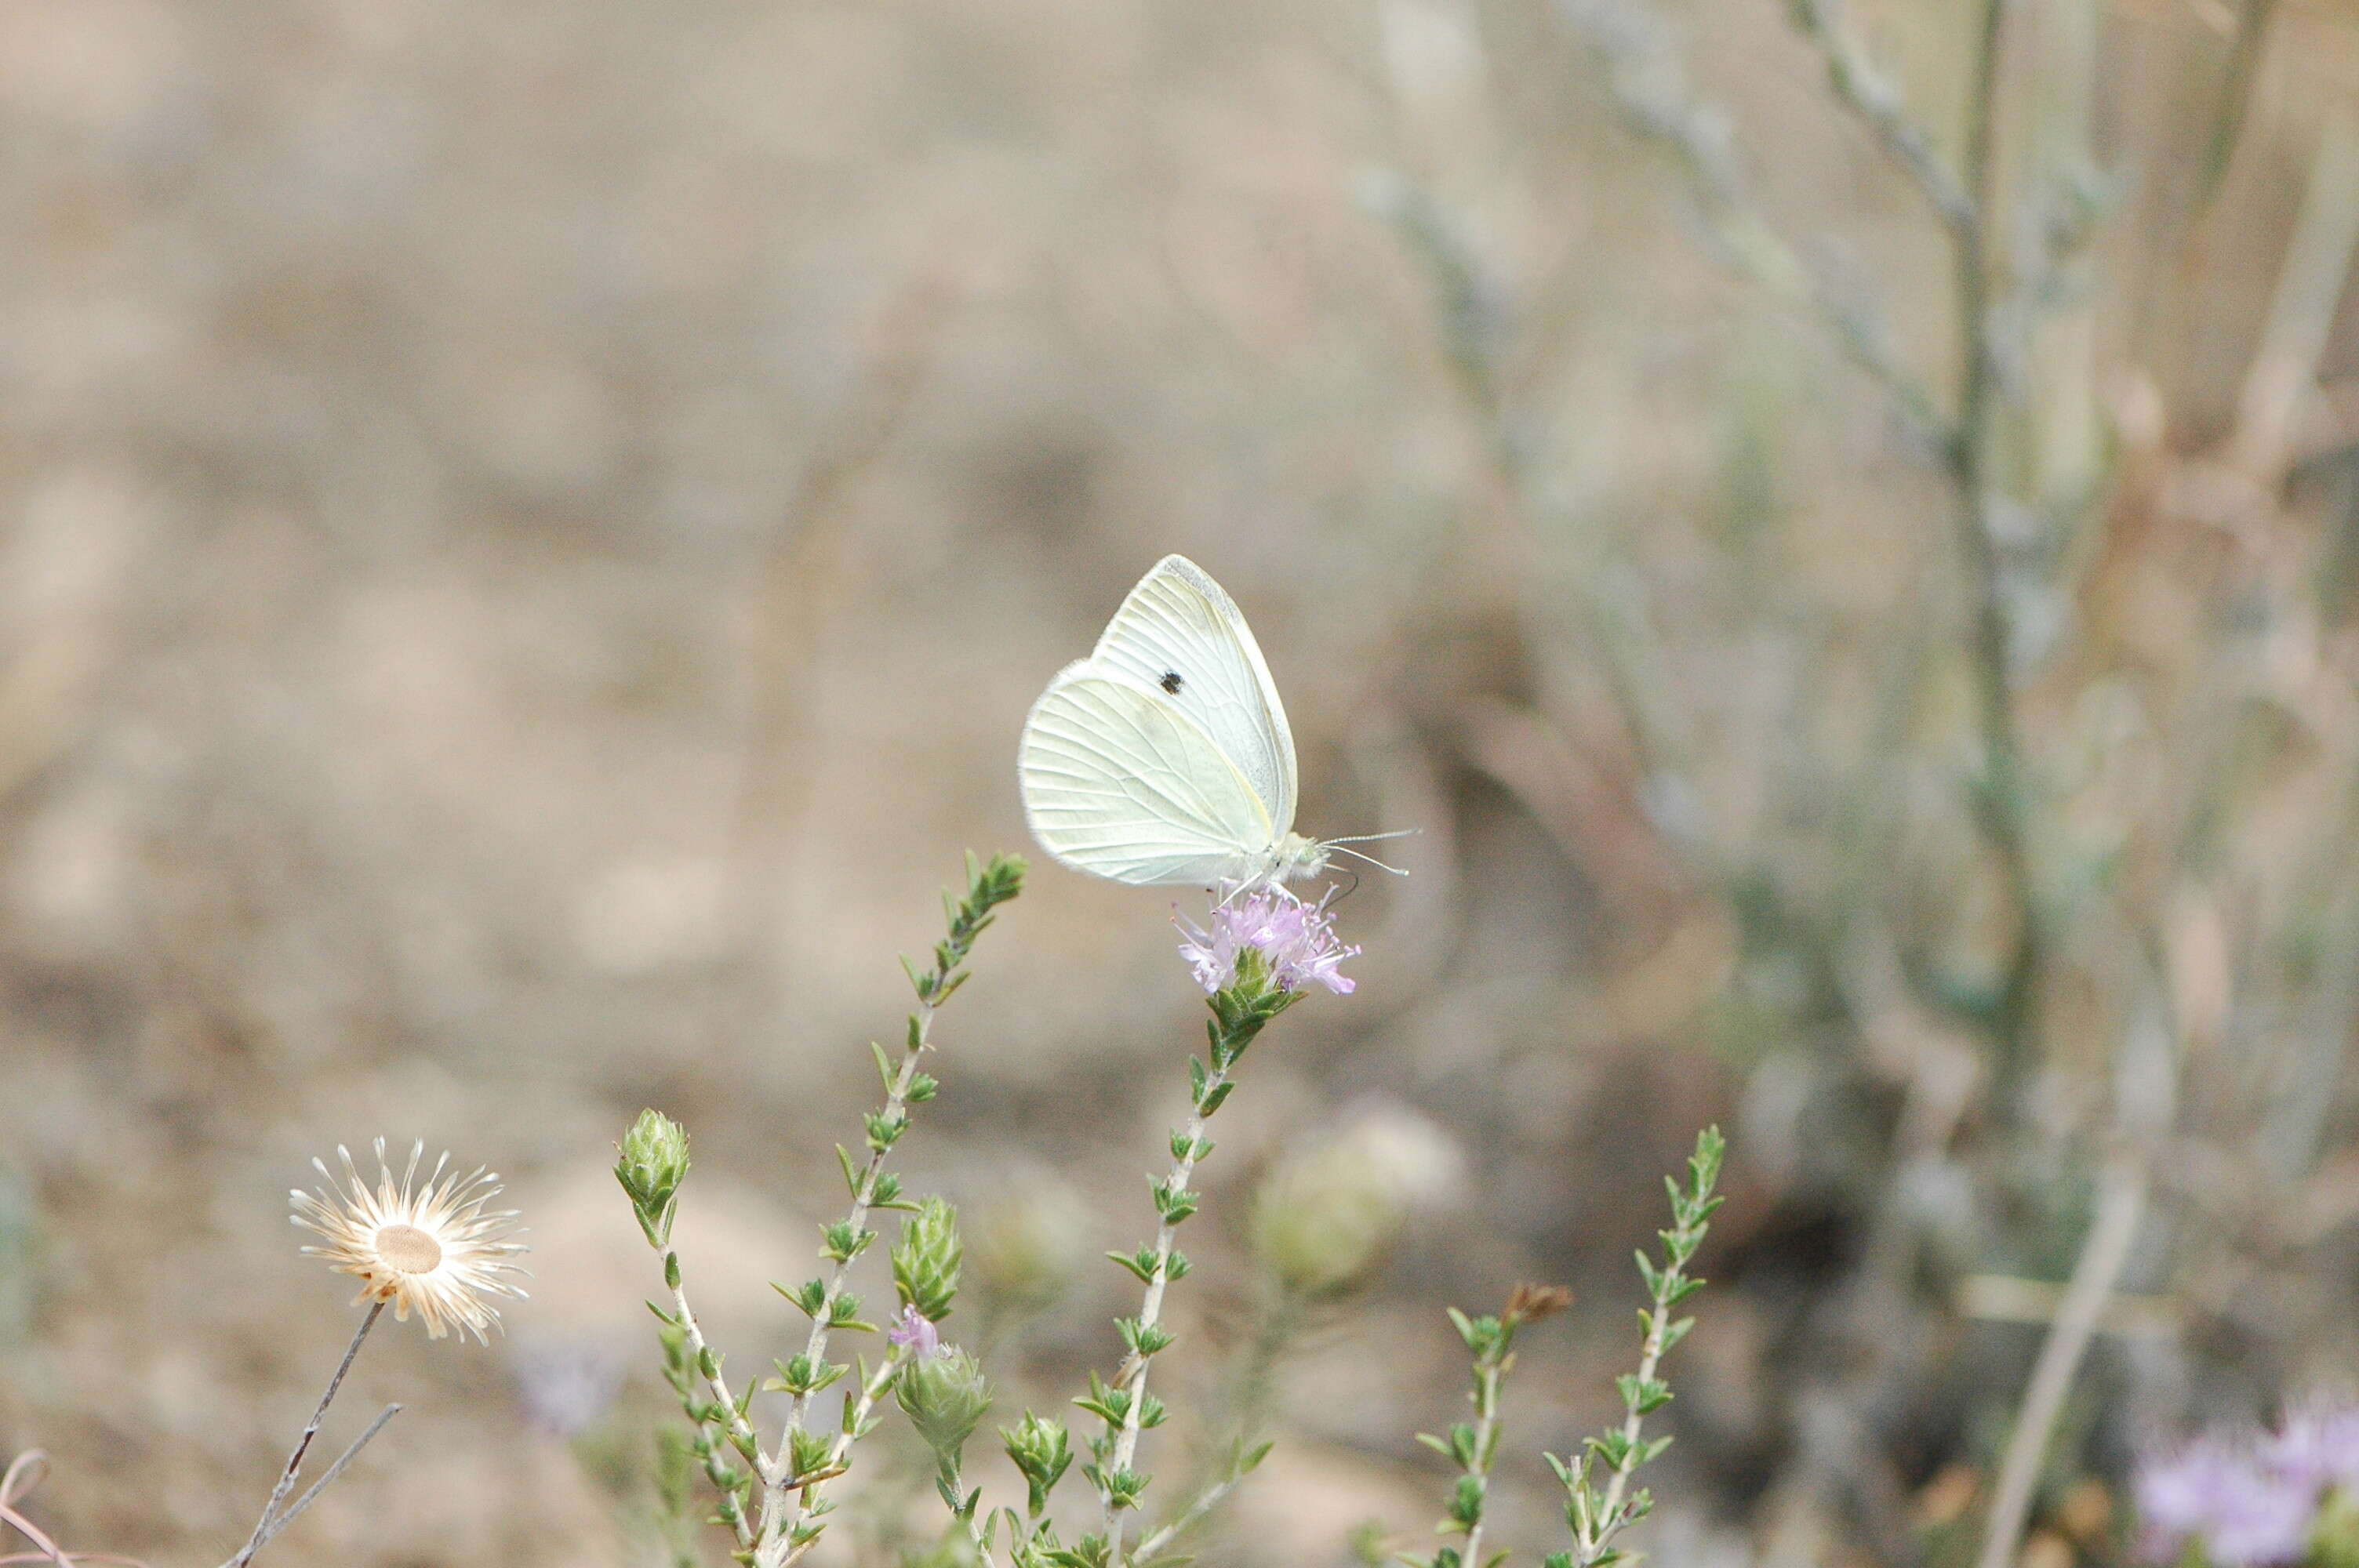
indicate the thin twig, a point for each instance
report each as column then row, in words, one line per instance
column 1655, row 98
column 13, row 1485
column 1868, row 93
column 2234, row 101
column 1656, row 104
column 303, row 1443
column 25, row 1472
column 311, row 1493
column 1205, row 1502
column 2159, row 338
column 2283, row 375
column 1999, row 797
column 2120, row 1202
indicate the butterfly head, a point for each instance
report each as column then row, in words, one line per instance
column 1298, row 857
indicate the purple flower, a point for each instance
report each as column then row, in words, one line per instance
column 2319, row 1448
column 1297, row 940
column 2245, row 1513
column 916, row 1333
column 567, row 1388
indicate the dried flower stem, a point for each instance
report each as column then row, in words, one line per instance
column 262, row 1528
column 24, row 1473
column 312, row 1493
column 2120, row 1202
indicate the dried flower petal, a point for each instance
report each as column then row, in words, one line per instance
column 432, row 1250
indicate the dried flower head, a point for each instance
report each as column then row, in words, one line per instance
column 1327, row 1213
column 1529, row 1303
column 432, row 1249
column 1296, row 940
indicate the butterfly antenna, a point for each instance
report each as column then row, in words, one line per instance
column 1376, row 837
column 1341, row 848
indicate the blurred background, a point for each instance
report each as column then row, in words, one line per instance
column 527, row 533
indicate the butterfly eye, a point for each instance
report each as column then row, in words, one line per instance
column 1171, row 682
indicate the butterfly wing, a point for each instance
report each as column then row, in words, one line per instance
column 1118, row 781
column 1182, row 638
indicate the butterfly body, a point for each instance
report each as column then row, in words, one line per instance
column 1164, row 759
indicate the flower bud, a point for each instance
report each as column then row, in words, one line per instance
column 654, row 1163
column 1041, row 1451
column 926, row 1259
column 1324, row 1216
column 944, row 1397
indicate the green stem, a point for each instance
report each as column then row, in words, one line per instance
column 740, row 1432
column 785, row 1504
column 1487, row 1374
column 788, row 1502
column 1999, row 797
column 1239, row 1015
column 1151, row 1311
column 1633, row 1424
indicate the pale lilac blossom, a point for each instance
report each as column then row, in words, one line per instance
column 1296, row 939
column 916, row 1333
column 567, row 1388
column 2319, row 1448
column 2243, row 1510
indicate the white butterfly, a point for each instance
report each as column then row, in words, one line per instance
column 1163, row 759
